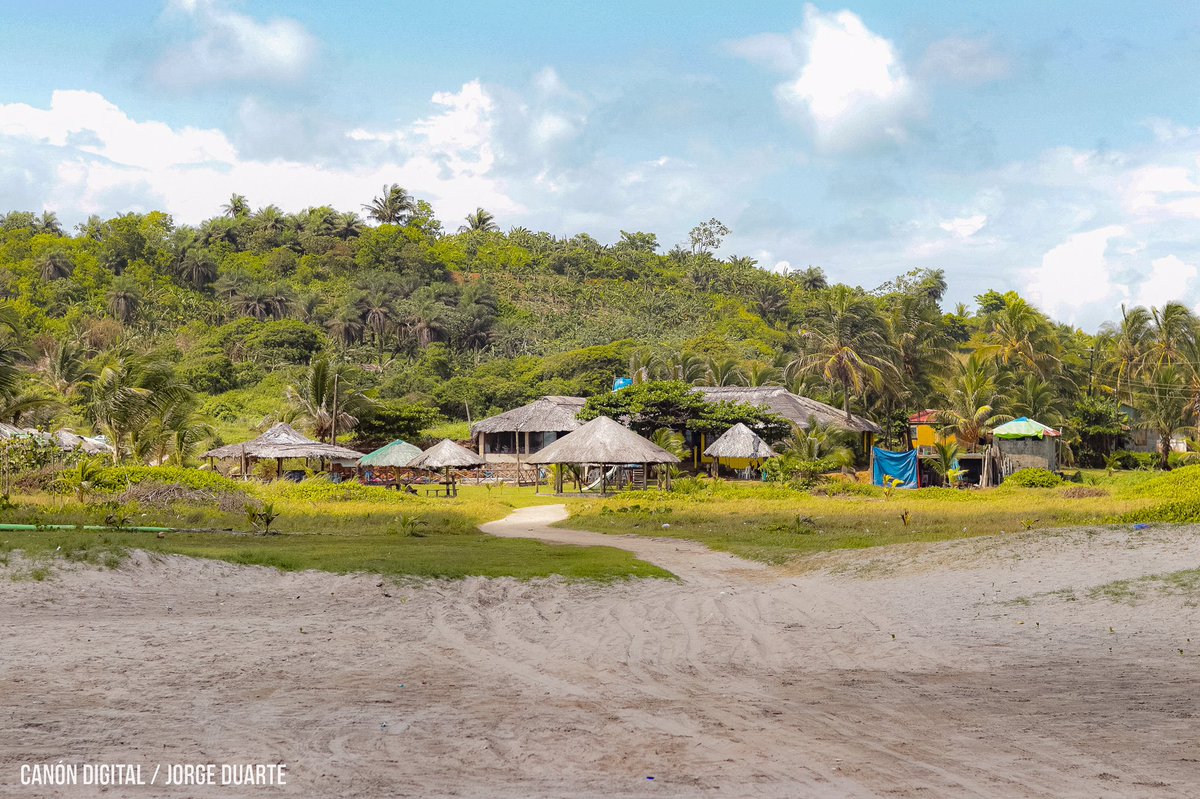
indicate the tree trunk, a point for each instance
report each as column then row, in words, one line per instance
column 1164, row 454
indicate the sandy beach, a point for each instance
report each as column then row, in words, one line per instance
column 977, row 668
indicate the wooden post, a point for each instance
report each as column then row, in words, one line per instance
column 278, row 468
column 645, row 473
column 603, row 481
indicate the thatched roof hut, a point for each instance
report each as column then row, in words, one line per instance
column 603, row 441
column 445, row 455
column 283, row 441
column 740, row 442
column 396, row 454
column 798, row 410
column 543, row 415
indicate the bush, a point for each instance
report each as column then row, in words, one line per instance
column 1135, row 460
column 286, row 341
column 118, row 478
column 1185, row 511
column 1033, row 478
column 844, row 488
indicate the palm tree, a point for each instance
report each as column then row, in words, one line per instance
column 1164, row 403
column 819, row 442
column 124, row 301
column 55, row 265
column 1127, row 343
column 769, row 301
column 393, row 207
column 845, row 344
column 326, row 400
column 236, row 207
column 426, row 320
column 127, row 393
column 346, row 325
column 947, row 457
column 1038, row 400
column 811, row 279
column 684, row 367
column 197, row 268
column 63, row 367
column 347, row 226
column 481, row 221
column 970, row 399
column 757, row 373
column 723, row 372
column 1020, row 334
column 48, row 223
column 1172, row 328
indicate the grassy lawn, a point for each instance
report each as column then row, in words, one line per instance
column 325, row 527
column 775, row 524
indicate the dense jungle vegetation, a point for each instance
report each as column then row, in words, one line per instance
column 168, row 338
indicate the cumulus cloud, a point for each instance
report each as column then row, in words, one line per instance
column 213, row 44
column 104, row 161
column 1170, row 280
column 1076, row 276
column 846, row 82
column 964, row 59
column 964, row 226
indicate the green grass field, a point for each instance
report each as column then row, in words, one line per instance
column 773, row 524
column 338, row 529
column 352, row 528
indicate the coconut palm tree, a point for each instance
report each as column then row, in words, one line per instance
column 128, row 391
column 326, row 400
column 48, row 223
column 1172, row 328
column 237, row 207
column 64, row 368
column 481, row 221
column 1127, row 343
column 683, row 367
column 347, row 226
column 757, row 373
column 346, row 326
column 810, row 279
column 970, row 397
column 425, row 319
column 1165, row 406
column 845, row 344
column 392, row 207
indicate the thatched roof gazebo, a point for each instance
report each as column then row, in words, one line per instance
column 739, row 443
column 280, row 442
column 603, row 442
column 444, row 456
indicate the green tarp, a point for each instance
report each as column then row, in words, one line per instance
column 397, row 454
column 1023, row 427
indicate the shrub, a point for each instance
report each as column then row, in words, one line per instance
column 1185, row 511
column 284, row 341
column 1033, row 478
column 844, row 488
column 118, row 478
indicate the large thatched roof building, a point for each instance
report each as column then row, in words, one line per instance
column 525, row 430
column 283, row 441
column 798, row 410
column 603, row 441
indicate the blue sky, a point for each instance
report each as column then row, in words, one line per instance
column 1048, row 148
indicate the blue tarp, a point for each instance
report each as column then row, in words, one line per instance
column 901, row 465
column 622, row 382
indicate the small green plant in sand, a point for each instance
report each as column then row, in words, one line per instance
column 408, row 526
column 262, row 518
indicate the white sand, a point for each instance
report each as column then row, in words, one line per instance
column 904, row 671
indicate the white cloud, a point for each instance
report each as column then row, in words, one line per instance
column 1075, row 276
column 1170, row 280
column 103, row 161
column 846, row 81
column 964, row 226
column 221, row 46
column 964, row 60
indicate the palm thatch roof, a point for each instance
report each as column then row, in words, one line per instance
column 603, row 441
column 545, row 415
column 798, row 410
column 283, row 441
column 446, row 455
column 740, row 441
column 398, row 454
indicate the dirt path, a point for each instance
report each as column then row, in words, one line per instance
column 688, row 560
column 947, row 670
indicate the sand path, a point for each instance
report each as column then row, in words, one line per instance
column 945, row 670
column 688, row 560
